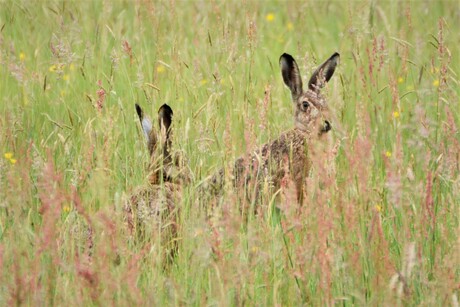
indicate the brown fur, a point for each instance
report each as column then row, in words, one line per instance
column 289, row 152
column 152, row 209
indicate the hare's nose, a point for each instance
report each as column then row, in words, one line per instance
column 327, row 126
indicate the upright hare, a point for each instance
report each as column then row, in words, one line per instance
column 290, row 151
column 154, row 206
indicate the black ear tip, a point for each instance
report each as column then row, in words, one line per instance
column 333, row 60
column 286, row 57
column 335, row 56
column 165, row 110
column 139, row 111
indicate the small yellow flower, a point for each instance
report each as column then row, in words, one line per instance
column 290, row 26
column 436, row 83
column 72, row 67
column 270, row 17
column 160, row 69
column 378, row 208
column 66, row 77
column 395, row 114
column 22, row 56
column 400, row 80
column 52, row 68
column 66, row 208
column 9, row 157
column 203, row 82
column 388, row 154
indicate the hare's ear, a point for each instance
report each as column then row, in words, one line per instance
column 323, row 73
column 146, row 123
column 291, row 75
column 165, row 114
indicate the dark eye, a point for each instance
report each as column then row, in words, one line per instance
column 305, row 104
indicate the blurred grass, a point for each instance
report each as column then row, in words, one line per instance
column 381, row 228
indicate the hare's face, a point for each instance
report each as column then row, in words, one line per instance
column 311, row 114
column 311, row 110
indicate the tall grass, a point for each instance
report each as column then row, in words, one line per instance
column 380, row 222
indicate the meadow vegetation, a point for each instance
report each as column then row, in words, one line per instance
column 379, row 224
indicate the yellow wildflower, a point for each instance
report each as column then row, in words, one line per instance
column 66, row 77
column 66, row 208
column 270, row 17
column 203, row 82
column 388, row 154
column 52, row 68
column 9, row 157
column 160, row 69
column 22, row 56
column 378, row 208
column 400, row 80
column 436, row 83
column 395, row 114
column 290, row 26
column 72, row 67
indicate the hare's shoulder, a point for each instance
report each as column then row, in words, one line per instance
column 288, row 142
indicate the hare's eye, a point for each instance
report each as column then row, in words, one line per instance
column 305, row 104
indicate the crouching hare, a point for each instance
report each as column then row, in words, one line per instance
column 290, row 151
column 152, row 209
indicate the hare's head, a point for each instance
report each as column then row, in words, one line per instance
column 311, row 110
column 159, row 143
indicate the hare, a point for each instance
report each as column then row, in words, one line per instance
column 164, row 166
column 154, row 205
column 290, row 151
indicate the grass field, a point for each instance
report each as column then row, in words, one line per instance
column 380, row 223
